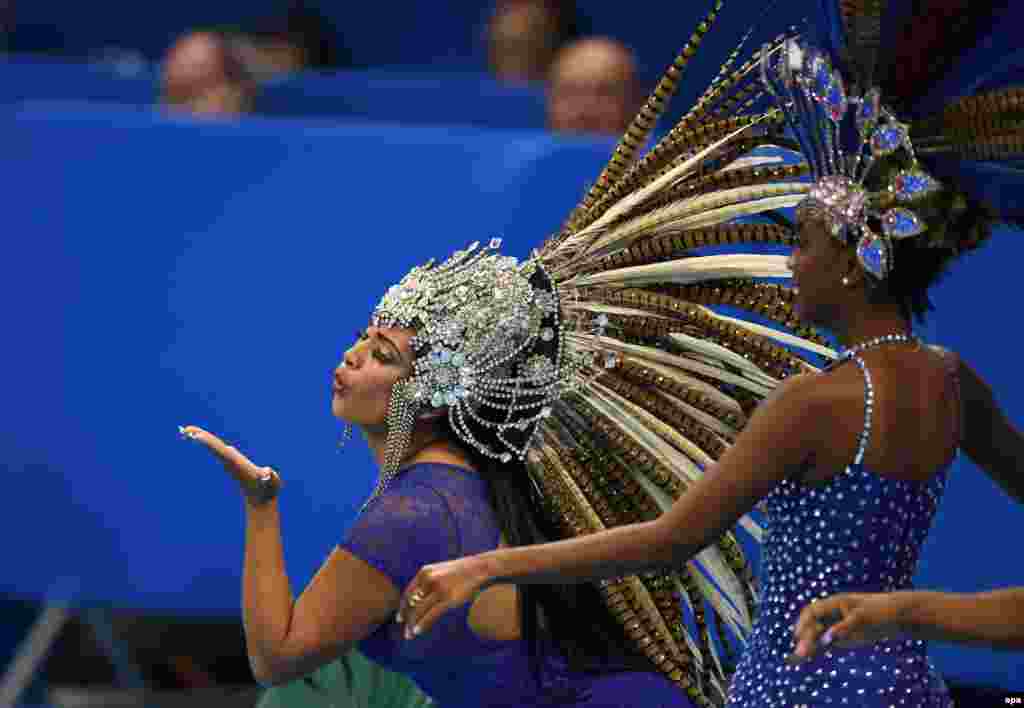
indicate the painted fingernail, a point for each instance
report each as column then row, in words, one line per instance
column 186, row 434
column 826, row 638
column 415, row 630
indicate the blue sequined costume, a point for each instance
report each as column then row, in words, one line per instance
column 859, row 532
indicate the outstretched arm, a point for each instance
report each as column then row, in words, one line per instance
column 343, row 603
column 993, row 619
column 989, row 438
column 780, row 436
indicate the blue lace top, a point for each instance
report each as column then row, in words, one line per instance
column 435, row 512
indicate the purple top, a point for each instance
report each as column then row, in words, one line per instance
column 435, row 512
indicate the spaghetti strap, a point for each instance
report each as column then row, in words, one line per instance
column 869, row 406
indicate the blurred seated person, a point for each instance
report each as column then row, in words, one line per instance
column 593, row 88
column 523, row 37
column 6, row 24
column 204, row 75
column 300, row 38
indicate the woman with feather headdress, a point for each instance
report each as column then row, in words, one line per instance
column 491, row 393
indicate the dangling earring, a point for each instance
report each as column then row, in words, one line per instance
column 346, row 435
column 346, row 432
column 401, row 421
column 846, row 281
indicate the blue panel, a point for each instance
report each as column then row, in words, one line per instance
column 407, row 97
column 389, row 96
column 168, row 272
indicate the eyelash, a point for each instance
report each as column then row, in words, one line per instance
column 360, row 336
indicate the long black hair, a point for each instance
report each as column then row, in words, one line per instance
column 572, row 619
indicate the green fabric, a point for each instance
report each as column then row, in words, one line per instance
column 353, row 681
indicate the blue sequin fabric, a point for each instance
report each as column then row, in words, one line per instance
column 859, row 532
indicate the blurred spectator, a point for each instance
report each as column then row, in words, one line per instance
column 593, row 88
column 299, row 38
column 6, row 24
column 523, row 37
column 204, row 75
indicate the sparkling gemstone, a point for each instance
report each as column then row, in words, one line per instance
column 547, row 334
column 458, row 359
column 495, row 244
column 887, row 139
column 601, row 321
column 437, row 399
column 611, row 360
column 445, row 356
column 867, row 113
column 545, row 301
column 909, row 185
column 835, row 98
column 822, row 75
column 795, row 56
column 901, row 223
column 450, row 398
column 506, row 457
column 873, row 254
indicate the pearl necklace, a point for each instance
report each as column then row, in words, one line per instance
column 858, row 349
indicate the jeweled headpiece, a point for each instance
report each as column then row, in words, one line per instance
column 842, row 134
column 487, row 345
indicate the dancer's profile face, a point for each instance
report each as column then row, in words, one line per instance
column 377, row 358
column 818, row 264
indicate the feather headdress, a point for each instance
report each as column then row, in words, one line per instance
column 606, row 363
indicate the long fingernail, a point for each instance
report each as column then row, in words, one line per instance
column 186, row 434
column 826, row 638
